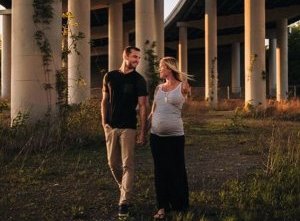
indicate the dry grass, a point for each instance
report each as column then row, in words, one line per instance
column 291, row 106
column 75, row 183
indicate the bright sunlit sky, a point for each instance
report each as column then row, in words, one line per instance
column 169, row 6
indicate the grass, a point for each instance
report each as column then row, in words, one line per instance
column 271, row 194
column 238, row 168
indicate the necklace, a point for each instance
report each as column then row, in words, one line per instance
column 166, row 97
column 166, row 92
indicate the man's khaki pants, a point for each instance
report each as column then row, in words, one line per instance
column 120, row 144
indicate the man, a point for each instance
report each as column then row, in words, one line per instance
column 122, row 90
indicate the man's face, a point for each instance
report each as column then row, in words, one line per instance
column 133, row 59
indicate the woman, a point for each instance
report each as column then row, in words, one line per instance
column 167, row 139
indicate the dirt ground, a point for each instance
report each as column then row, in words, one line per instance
column 77, row 184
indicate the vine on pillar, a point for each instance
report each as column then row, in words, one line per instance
column 212, row 80
column 152, row 70
column 61, row 75
column 253, row 59
column 42, row 17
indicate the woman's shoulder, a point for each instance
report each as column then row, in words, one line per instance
column 158, row 87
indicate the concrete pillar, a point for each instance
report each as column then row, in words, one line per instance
column 182, row 47
column 144, row 31
column 6, row 57
column 211, row 61
column 115, row 34
column 282, row 60
column 79, row 64
column 272, row 67
column 159, row 28
column 236, row 68
column 255, row 65
column 28, row 93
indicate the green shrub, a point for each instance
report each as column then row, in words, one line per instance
column 3, row 105
column 77, row 126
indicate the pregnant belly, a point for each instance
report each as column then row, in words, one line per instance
column 167, row 126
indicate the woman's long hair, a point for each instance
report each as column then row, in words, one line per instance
column 171, row 64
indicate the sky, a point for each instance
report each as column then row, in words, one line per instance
column 169, row 6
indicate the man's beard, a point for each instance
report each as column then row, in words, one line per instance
column 132, row 65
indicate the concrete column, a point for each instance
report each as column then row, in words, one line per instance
column 255, row 65
column 144, row 31
column 272, row 67
column 159, row 28
column 282, row 60
column 28, row 93
column 115, row 35
column 211, row 61
column 79, row 65
column 236, row 68
column 182, row 48
column 6, row 57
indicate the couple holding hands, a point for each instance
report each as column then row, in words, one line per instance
column 122, row 91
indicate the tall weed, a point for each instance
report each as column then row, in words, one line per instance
column 273, row 194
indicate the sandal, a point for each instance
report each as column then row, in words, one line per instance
column 160, row 215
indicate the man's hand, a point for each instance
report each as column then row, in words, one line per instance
column 141, row 139
column 105, row 125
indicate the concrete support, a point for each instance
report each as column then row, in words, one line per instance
column 211, row 61
column 144, row 31
column 159, row 28
column 272, row 67
column 236, row 68
column 282, row 60
column 28, row 93
column 255, row 65
column 79, row 64
column 182, row 48
column 6, row 57
column 115, row 35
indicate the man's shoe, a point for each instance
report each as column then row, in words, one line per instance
column 123, row 210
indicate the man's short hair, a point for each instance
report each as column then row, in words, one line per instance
column 129, row 49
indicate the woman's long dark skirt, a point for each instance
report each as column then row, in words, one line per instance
column 170, row 174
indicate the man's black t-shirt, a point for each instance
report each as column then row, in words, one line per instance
column 123, row 90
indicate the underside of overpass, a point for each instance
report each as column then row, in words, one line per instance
column 207, row 37
column 230, row 20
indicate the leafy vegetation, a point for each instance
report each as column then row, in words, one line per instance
column 77, row 126
column 153, row 65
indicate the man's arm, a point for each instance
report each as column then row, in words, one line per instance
column 152, row 107
column 104, row 107
column 142, row 102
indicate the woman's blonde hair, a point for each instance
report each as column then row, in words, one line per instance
column 171, row 64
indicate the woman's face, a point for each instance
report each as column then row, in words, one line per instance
column 164, row 71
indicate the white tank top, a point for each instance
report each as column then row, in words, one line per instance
column 166, row 118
